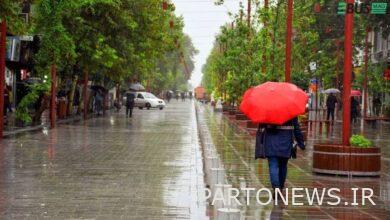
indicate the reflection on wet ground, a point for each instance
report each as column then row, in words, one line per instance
column 235, row 149
column 147, row 167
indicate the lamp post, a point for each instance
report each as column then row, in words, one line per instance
column 288, row 40
column 3, row 39
column 53, row 96
column 348, row 40
column 365, row 94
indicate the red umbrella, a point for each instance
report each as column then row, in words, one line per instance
column 356, row 93
column 274, row 103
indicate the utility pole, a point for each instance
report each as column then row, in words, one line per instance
column 3, row 42
column 365, row 94
column 264, row 68
column 53, row 96
column 249, row 12
column 288, row 40
column 348, row 49
column 85, row 95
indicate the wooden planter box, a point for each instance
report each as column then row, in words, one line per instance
column 241, row 117
column 233, row 112
column 226, row 108
column 345, row 160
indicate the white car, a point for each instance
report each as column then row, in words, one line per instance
column 148, row 100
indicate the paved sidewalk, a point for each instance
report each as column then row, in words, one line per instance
column 147, row 167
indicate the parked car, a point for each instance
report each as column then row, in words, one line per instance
column 148, row 100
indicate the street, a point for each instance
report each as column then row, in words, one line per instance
column 113, row 167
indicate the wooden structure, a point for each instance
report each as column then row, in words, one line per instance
column 346, row 160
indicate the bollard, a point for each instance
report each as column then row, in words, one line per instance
column 225, row 193
column 209, row 162
column 217, row 176
column 228, row 213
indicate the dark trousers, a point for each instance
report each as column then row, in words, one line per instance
column 277, row 171
column 129, row 110
column 354, row 115
column 330, row 114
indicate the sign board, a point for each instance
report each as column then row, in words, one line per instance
column 13, row 49
column 27, row 38
column 375, row 8
column 379, row 8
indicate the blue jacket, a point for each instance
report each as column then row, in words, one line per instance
column 279, row 142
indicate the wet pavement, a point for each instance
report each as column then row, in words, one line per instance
column 153, row 166
column 234, row 149
column 147, row 167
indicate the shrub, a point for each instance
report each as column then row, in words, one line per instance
column 360, row 141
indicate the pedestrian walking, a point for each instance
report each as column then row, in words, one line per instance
column 76, row 100
column 183, row 96
column 279, row 147
column 129, row 104
column 377, row 105
column 278, row 125
column 10, row 98
column 169, row 96
column 98, row 102
column 354, row 109
column 190, row 94
column 6, row 101
column 331, row 105
column 177, row 96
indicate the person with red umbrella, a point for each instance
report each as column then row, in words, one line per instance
column 275, row 106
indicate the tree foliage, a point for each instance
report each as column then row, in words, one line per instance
column 246, row 56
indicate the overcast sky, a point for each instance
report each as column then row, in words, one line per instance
column 202, row 19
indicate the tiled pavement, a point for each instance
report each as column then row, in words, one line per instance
column 147, row 167
column 235, row 149
column 150, row 167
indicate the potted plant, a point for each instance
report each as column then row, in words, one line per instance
column 360, row 141
column 361, row 158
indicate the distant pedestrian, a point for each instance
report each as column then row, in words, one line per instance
column 377, row 105
column 6, row 101
column 354, row 109
column 129, row 104
column 177, row 96
column 168, row 96
column 98, row 102
column 10, row 98
column 190, row 94
column 76, row 100
column 331, row 105
column 279, row 146
column 183, row 96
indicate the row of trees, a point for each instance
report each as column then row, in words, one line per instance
column 247, row 55
column 113, row 41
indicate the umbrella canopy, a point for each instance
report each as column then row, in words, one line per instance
column 274, row 103
column 136, row 87
column 331, row 91
column 356, row 93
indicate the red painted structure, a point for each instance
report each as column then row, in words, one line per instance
column 249, row 12
column 348, row 50
column 85, row 95
column 53, row 96
column 3, row 43
column 288, row 40
column 365, row 94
